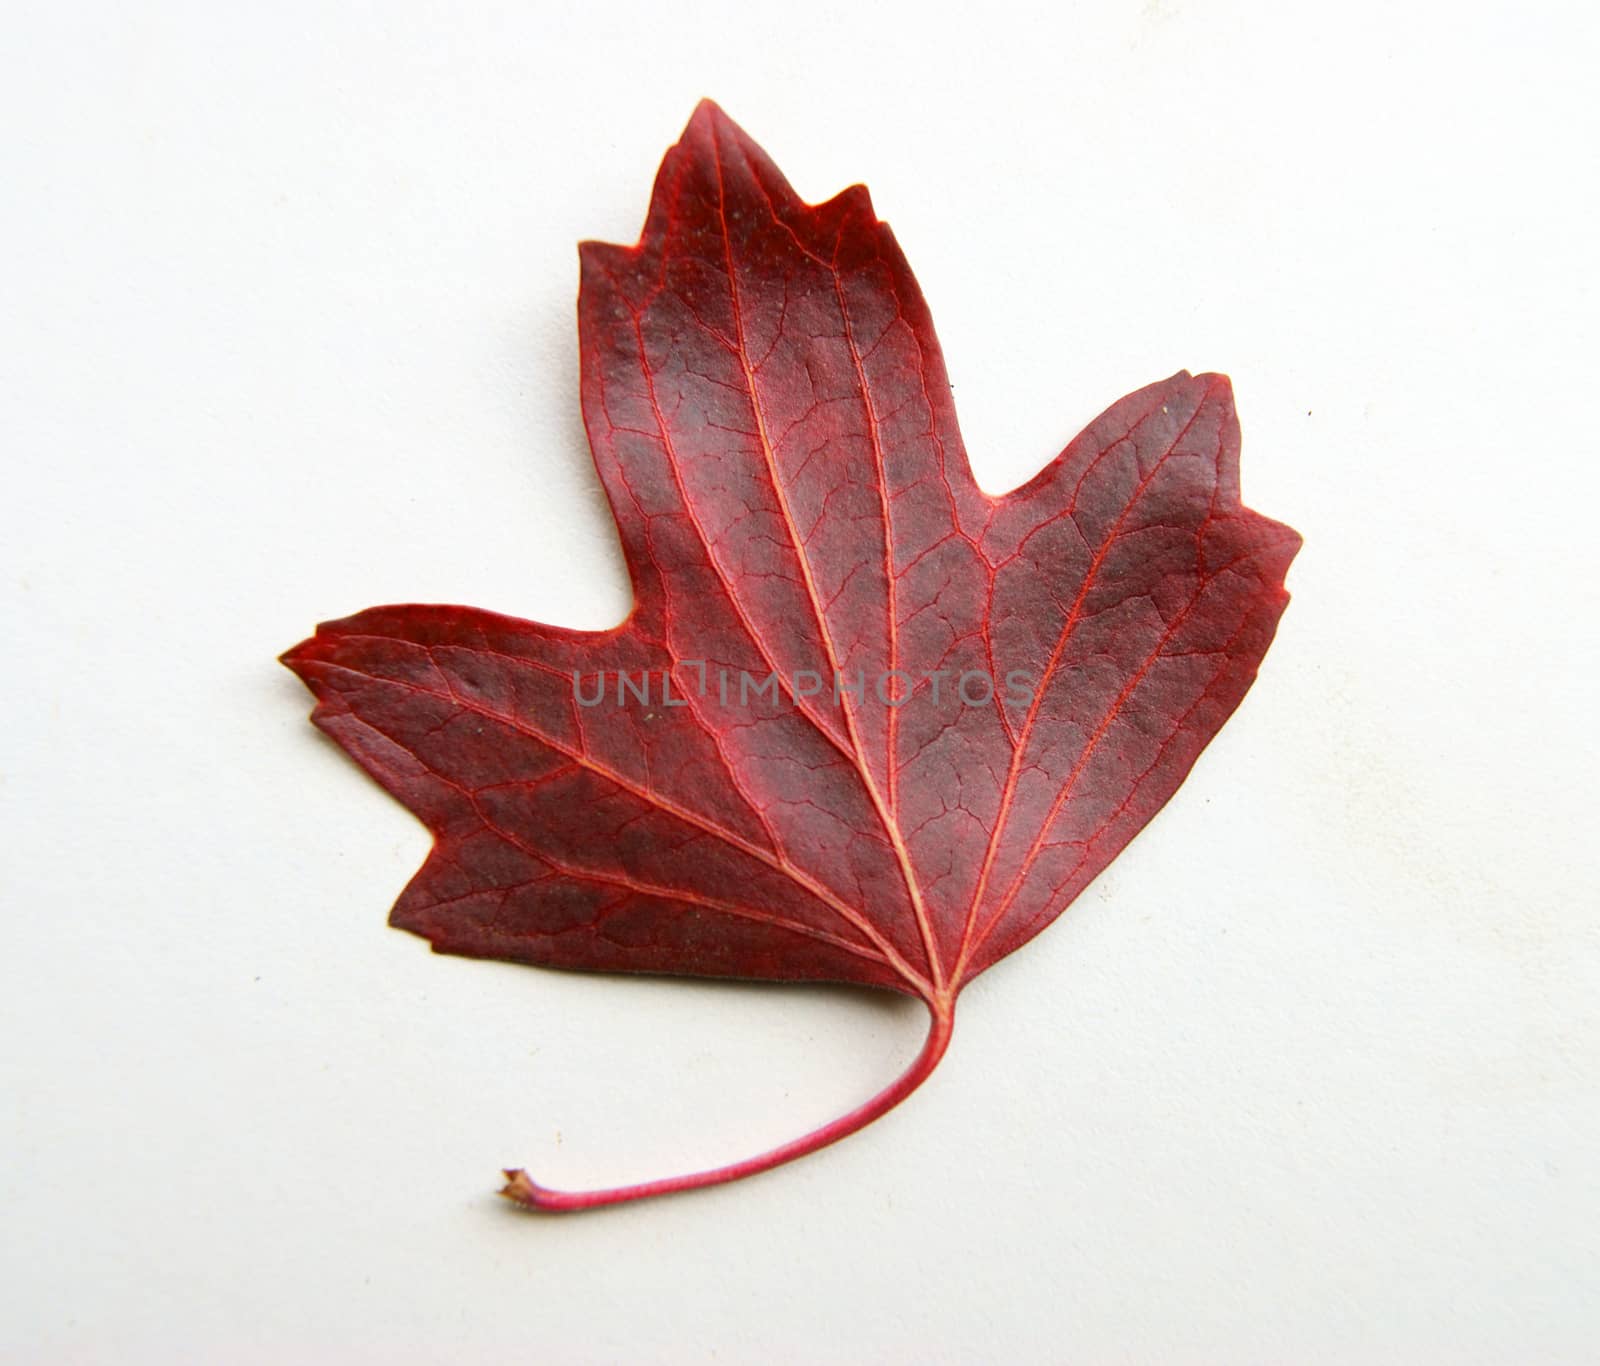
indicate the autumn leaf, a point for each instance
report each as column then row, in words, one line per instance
column 865, row 722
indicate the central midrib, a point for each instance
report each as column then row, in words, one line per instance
column 891, row 830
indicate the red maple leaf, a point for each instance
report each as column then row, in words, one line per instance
column 865, row 723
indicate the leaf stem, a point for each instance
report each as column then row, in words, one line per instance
column 522, row 1190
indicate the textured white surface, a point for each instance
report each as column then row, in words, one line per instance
column 288, row 331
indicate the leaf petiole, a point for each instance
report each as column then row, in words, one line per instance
column 522, row 1190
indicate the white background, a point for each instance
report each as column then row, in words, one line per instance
column 288, row 331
